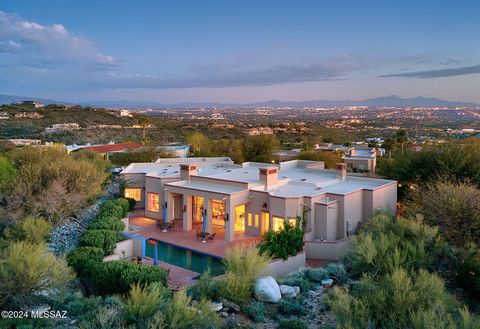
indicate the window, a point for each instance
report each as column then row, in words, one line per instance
column 153, row 202
column 133, row 193
column 278, row 223
column 256, row 220
column 292, row 221
column 249, row 219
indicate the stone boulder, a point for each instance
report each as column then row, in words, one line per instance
column 287, row 291
column 327, row 283
column 267, row 290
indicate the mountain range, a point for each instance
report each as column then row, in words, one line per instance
column 391, row 101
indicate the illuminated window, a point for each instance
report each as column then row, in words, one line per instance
column 256, row 220
column 278, row 223
column 292, row 221
column 153, row 202
column 249, row 219
column 133, row 193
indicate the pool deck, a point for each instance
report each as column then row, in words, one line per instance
column 146, row 228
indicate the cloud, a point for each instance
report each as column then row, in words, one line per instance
column 53, row 42
column 439, row 73
column 228, row 75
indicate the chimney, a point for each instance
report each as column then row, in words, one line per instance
column 341, row 170
column 268, row 176
column 186, row 170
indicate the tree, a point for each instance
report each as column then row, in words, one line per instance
column 453, row 207
column 52, row 184
column 402, row 137
column 259, row 148
column 388, row 145
column 200, row 144
column 330, row 158
column 7, row 177
column 144, row 122
column 30, row 274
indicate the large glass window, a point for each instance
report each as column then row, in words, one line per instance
column 197, row 208
column 239, row 218
column 278, row 223
column 153, row 202
column 134, row 193
column 218, row 212
column 256, row 220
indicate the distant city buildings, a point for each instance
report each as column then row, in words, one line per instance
column 259, row 131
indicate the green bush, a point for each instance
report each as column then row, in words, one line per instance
column 111, row 208
column 293, row 307
column 107, row 223
column 469, row 274
column 125, row 204
column 337, row 272
column 298, row 279
column 316, row 274
column 131, row 203
column 255, row 311
column 104, row 239
column 292, row 324
column 284, row 243
column 117, row 276
column 143, row 302
column 84, row 259
column 205, row 288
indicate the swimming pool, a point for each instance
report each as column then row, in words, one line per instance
column 185, row 258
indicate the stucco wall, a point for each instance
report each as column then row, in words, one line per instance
column 326, row 250
column 279, row 267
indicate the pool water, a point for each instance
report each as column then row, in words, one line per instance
column 185, row 258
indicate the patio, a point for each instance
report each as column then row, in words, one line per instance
column 147, row 228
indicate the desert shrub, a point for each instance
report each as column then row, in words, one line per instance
column 105, row 318
column 27, row 272
column 84, row 259
column 337, row 272
column 29, row 229
column 292, row 324
column 255, row 311
column 107, row 223
column 298, row 279
column 397, row 300
column 291, row 307
column 243, row 267
column 316, row 274
column 205, row 288
column 387, row 244
column 117, row 276
column 104, row 239
column 181, row 314
column 469, row 272
column 84, row 308
column 142, row 303
column 285, row 242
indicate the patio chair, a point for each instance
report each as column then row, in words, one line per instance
column 199, row 234
column 211, row 237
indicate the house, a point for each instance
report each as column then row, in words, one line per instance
column 30, row 115
column 414, row 147
column 4, row 116
column 106, row 150
column 62, row 127
column 180, row 151
column 25, row 142
column 35, row 104
column 125, row 113
column 251, row 198
column 259, row 131
column 363, row 159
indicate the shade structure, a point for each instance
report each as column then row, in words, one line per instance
column 204, row 224
column 155, row 256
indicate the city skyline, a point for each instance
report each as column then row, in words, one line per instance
column 238, row 52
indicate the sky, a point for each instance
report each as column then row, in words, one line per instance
column 239, row 51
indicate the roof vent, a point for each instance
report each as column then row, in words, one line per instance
column 303, row 179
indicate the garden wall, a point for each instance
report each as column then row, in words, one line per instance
column 280, row 267
column 331, row 250
column 126, row 245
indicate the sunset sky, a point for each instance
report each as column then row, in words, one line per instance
column 239, row 51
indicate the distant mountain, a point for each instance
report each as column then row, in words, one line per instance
column 9, row 99
column 392, row 100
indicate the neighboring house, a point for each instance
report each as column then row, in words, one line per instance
column 106, row 150
column 125, row 113
column 35, row 104
column 62, row 127
column 285, row 155
column 259, row 131
column 25, row 142
column 363, row 159
column 414, row 147
column 4, row 116
column 180, row 151
column 252, row 198
column 30, row 115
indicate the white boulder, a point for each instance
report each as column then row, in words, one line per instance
column 267, row 290
column 327, row 283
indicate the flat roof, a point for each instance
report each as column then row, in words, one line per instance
column 295, row 178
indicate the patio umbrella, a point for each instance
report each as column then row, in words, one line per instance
column 155, row 256
column 205, row 220
column 165, row 213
